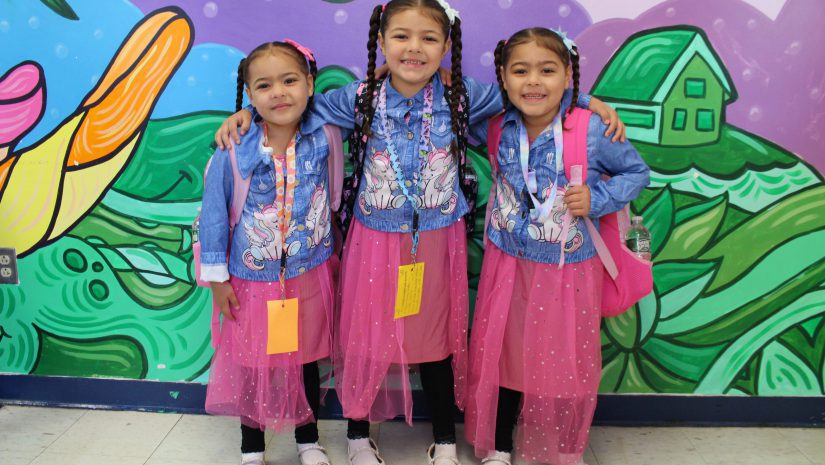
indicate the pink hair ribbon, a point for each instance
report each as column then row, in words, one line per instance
column 304, row 51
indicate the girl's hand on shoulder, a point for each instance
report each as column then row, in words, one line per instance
column 577, row 199
column 224, row 297
column 609, row 117
column 228, row 131
column 446, row 76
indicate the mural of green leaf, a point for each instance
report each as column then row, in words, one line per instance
column 795, row 215
column 690, row 237
column 782, row 370
column 117, row 357
column 62, row 8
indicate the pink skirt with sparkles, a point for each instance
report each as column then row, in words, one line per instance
column 267, row 391
column 374, row 348
column 536, row 331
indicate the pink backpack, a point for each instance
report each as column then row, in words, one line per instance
column 241, row 189
column 628, row 278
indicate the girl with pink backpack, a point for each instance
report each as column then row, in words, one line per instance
column 535, row 351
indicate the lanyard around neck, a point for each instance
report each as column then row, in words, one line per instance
column 423, row 150
column 542, row 210
column 284, row 197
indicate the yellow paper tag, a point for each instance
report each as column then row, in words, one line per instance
column 282, row 333
column 410, row 285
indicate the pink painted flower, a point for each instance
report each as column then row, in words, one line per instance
column 22, row 96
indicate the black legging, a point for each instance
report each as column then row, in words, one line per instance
column 439, row 389
column 252, row 439
column 506, row 416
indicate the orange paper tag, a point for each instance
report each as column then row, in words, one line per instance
column 282, row 333
column 410, row 285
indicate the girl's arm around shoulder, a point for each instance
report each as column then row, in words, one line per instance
column 336, row 106
column 629, row 174
column 214, row 220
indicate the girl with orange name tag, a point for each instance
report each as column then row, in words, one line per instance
column 275, row 287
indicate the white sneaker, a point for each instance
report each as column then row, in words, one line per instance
column 443, row 454
column 312, row 454
column 253, row 458
column 497, row 458
column 363, row 452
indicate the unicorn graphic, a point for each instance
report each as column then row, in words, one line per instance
column 318, row 219
column 506, row 205
column 381, row 181
column 437, row 179
column 264, row 235
column 550, row 230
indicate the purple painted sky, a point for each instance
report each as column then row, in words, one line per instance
column 775, row 65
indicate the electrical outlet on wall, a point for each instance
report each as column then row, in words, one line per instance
column 8, row 266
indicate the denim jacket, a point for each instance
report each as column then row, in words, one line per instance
column 511, row 228
column 256, row 241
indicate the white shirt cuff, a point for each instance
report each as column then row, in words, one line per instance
column 214, row 273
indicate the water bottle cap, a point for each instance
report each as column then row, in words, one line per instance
column 637, row 219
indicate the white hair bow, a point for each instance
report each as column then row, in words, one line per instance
column 452, row 13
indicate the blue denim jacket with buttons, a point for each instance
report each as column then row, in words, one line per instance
column 511, row 228
column 381, row 204
column 256, row 240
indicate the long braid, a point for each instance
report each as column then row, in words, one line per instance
column 313, row 71
column 499, row 64
column 574, row 64
column 372, row 46
column 456, row 95
column 239, row 95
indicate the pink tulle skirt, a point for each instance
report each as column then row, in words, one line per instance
column 374, row 348
column 536, row 331
column 267, row 391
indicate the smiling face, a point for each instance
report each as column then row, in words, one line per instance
column 414, row 44
column 535, row 78
column 278, row 88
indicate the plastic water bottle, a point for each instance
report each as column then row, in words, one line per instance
column 196, row 227
column 638, row 238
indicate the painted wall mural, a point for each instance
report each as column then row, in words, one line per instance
column 106, row 117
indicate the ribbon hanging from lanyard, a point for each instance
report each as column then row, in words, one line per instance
column 542, row 210
column 423, row 150
column 285, row 177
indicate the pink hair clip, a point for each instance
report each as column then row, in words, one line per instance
column 304, row 51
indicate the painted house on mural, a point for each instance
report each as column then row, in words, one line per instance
column 668, row 86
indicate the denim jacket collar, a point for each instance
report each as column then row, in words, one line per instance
column 252, row 151
column 396, row 100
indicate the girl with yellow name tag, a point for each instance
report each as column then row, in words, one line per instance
column 275, row 287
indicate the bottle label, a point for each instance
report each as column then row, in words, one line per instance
column 638, row 244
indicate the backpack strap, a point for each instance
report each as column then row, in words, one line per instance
column 240, row 190
column 335, row 164
column 575, row 168
column 493, row 139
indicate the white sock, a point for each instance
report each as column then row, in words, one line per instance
column 445, row 450
column 311, row 454
column 359, row 452
column 252, row 458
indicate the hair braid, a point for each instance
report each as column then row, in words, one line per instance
column 372, row 46
column 574, row 64
column 239, row 94
column 457, row 92
column 313, row 71
column 499, row 64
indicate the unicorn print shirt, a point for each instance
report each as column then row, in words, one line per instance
column 511, row 227
column 257, row 244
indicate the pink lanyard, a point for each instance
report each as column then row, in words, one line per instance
column 287, row 198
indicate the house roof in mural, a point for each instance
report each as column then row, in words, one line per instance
column 647, row 65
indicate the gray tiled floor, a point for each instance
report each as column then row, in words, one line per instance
column 52, row 436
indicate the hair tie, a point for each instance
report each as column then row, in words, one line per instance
column 307, row 53
column 568, row 42
column 451, row 12
column 383, row 7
